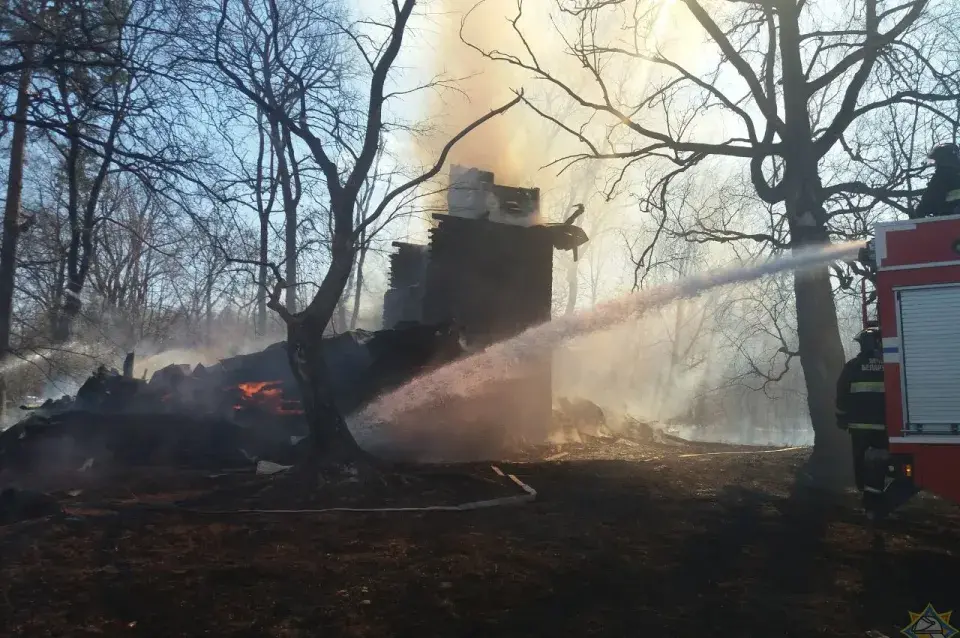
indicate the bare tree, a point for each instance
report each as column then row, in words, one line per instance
column 792, row 81
column 25, row 27
column 153, row 280
column 13, row 226
column 88, row 100
column 265, row 194
column 306, row 93
column 291, row 189
column 375, row 239
column 100, row 97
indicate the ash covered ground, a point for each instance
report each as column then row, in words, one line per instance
column 629, row 535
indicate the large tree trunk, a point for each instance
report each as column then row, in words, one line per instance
column 820, row 345
column 821, row 357
column 11, row 222
column 331, row 440
column 818, row 332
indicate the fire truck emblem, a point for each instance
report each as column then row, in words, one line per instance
column 930, row 624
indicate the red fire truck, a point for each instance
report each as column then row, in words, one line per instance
column 917, row 279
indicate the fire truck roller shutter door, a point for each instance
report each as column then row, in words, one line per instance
column 930, row 352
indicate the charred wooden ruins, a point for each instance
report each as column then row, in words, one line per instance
column 485, row 276
column 489, row 269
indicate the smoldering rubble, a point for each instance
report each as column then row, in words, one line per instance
column 240, row 411
column 245, row 412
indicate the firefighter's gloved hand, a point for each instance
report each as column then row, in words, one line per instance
column 842, row 421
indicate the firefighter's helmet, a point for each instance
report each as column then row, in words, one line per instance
column 946, row 154
column 869, row 340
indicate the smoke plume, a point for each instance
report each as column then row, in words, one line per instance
column 481, row 87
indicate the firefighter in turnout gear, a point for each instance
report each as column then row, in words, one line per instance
column 861, row 409
column 942, row 195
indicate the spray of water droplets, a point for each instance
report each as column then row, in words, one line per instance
column 503, row 360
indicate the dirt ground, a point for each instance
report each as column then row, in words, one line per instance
column 623, row 539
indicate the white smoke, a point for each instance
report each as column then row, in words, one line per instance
column 502, row 360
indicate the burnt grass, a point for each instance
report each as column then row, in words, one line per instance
column 623, row 540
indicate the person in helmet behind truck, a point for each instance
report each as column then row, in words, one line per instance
column 861, row 406
column 942, row 195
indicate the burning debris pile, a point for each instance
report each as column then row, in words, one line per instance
column 182, row 416
column 234, row 387
column 241, row 410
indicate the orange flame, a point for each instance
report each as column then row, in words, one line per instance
column 263, row 388
column 266, row 394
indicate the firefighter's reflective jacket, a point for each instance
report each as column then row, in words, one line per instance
column 942, row 195
column 861, row 403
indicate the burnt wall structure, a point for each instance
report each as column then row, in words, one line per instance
column 489, row 268
column 495, row 280
column 403, row 301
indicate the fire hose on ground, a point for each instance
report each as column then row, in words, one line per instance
column 528, row 496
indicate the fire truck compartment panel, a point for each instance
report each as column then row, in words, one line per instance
column 918, row 243
column 929, row 318
column 934, row 468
